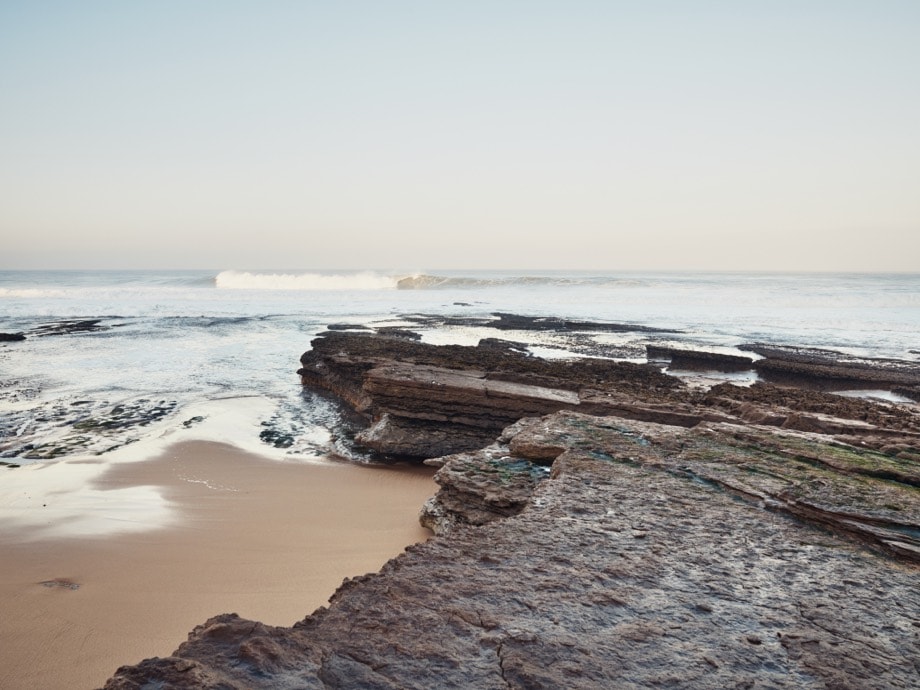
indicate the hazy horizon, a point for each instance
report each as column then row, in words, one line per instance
column 586, row 135
column 462, row 270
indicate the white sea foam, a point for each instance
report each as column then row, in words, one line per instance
column 370, row 280
column 61, row 500
column 244, row 280
column 31, row 293
column 173, row 345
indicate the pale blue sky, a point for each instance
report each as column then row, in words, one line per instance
column 424, row 135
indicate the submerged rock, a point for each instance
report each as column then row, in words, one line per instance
column 69, row 327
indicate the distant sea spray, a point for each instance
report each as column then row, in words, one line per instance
column 245, row 280
column 370, row 280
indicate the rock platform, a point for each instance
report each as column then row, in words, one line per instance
column 623, row 531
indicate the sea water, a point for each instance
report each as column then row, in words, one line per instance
column 213, row 354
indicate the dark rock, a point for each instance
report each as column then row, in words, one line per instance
column 481, row 487
column 718, row 556
column 872, row 421
column 419, row 438
column 912, row 392
column 347, row 327
column 424, row 400
column 70, row 327
column 396, row 332
column 506, row 345
column 699, row 360
column 12, row 337
column 830, row 370
column 516, row 322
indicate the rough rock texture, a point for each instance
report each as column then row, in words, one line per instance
column 649, row 556
column 893, row 429
column 679, row 358
column 423, row 401
column 829, row 369
column 68, row 327
column 641, row 535
column 516, row 322
column 865, row 494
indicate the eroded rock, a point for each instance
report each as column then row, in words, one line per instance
column 642, row 534
column 652, row 555
column 423, row 401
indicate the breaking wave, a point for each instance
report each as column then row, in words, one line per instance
column 30, row 293
column 242, row 280
column 368, row 280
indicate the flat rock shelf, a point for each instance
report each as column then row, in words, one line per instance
column 600, row 524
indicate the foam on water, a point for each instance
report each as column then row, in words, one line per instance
column 173, row 340
column 237, row 280
column 41, row 500
column 61, row 500
column 212, row 355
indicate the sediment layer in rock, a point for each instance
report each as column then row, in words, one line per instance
column 586, row 552
column 829, row 369
column 423, row 401
column 623, row 530
column 702, row 360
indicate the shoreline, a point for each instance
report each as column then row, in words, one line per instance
column 270, row 540
column 600, row 524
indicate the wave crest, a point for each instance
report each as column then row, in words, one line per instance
column 30, row 293
column 243, row 280
column 369, row 280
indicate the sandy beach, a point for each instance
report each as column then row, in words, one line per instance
column 268, row 540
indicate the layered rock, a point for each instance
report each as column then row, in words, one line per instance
column 830, row 370
column 643, row 555
column 890, row 428
column 640, row 534
column 698, row 360
column 423, row 401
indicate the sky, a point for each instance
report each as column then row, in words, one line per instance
column 576, row 134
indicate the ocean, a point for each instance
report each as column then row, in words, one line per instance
column 113, row 359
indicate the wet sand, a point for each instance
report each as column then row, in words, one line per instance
column 265, row 539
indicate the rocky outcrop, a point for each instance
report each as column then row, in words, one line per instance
column 586, row 552
column 698, row 360
column 889, row 428
column 503, row 321
column 423, row 401
column 857, row 491
column 830, row 370
column 622, row 530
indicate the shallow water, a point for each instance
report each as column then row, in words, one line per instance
column 174, row 349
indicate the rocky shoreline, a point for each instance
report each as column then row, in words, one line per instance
column 603, row 524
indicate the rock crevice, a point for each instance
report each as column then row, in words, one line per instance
column 579, row 547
